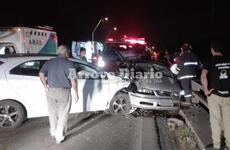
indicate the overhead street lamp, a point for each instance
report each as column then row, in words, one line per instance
column 115, row 28
column 95, row 28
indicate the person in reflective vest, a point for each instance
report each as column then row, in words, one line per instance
column 187, row 67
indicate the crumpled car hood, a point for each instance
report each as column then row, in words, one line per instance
column 165, row 84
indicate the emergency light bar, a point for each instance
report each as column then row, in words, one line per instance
column 134, row 40
column 128, row 40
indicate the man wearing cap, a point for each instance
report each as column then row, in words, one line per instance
column 58, row 76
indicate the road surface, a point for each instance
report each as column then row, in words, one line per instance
column 94, row 131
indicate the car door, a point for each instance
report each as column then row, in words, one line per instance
column 24, row 80
column 93, row 90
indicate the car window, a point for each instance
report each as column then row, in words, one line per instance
column 7, row 50
column 86, row 72
column 29, row 68
column 110, row 55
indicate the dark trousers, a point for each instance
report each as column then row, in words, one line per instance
column 186, row 87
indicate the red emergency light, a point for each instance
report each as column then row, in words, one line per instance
column 134, row 40
column 110, row 40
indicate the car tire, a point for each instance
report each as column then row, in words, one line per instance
column 120, row 104
column 12, row 114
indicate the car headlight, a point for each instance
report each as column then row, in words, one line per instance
column 145, row 91
column 101, row 62
column 164, row 93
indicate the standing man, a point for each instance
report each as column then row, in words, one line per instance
column 187, row 67
column 215, row 79
column 83, row 53
column 58, row 76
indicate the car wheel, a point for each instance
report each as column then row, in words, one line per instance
column 12, row 114
column 120, row 104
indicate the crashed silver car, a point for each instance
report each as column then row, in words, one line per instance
column 153, row 87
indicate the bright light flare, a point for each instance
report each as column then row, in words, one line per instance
column 134, row 40
column 110, row 40
column 101, row 62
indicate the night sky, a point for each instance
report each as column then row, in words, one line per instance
column 162, row 21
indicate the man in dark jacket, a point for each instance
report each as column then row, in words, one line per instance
column 187, row 66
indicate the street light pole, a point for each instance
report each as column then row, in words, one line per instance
column 95, row 28
column 99, row 22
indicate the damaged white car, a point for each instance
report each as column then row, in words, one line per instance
column 23, row 95
column 153, row 87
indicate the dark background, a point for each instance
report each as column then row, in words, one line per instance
column 165, row 22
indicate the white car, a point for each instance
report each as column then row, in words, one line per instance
column 23, row 95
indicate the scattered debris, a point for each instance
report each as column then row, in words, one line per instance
column 173, row 123
column 186, row 138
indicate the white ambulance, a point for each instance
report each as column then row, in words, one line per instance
column 15, row 40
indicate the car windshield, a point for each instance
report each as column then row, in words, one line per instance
column 146, row 67
column 129, row 51
column 163, row 69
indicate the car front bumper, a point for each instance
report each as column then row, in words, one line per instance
column 151, row 102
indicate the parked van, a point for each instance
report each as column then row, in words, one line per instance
column 15, row 40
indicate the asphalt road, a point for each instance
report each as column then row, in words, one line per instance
column 90, row 131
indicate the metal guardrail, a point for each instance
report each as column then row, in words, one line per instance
column 198, row 97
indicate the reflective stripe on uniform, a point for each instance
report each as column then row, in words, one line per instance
column 189, row 95
column 186, row 77
column 182, row 92
column 223, row 92
column 190, row 63
column 178, row 69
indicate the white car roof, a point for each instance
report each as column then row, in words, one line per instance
column 12, row 59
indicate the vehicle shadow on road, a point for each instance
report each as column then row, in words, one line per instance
column 86, row 123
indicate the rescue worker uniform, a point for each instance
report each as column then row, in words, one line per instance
column 187, row 67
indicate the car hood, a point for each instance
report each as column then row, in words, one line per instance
column 164, row 83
